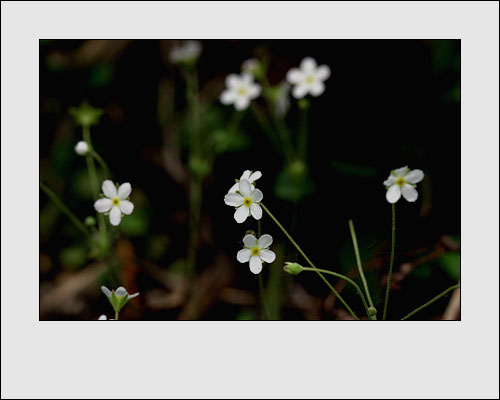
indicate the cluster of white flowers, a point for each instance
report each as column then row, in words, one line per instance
column 115, row 201
column 244, row 196
column 402, row 181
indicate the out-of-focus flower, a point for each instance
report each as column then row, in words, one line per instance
column 82, row 148
column 118, row 298
column 116, row 201
column 85, row 115
column 402, row 181
column 246, row 200
column 256, row 251
column 187, row 52
column 253, row 66
column 308, row 79
column 104, row 318
column 247, row 175
column 240, row 90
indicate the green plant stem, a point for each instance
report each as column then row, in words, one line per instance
column 79, row 224
column 195, row 199
column 356, row 286
column 431, row 301
column 232, row 128
column 102, row 163
column 263, row 297
column 302, row 144
column 94, row 184
column 386, row 302
column 116, row 315
column 358, row 262
column 309, row 261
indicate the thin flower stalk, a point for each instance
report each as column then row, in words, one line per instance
column 444, row 293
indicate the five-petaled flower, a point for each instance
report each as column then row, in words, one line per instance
column 249, row 176
column 256, row 251
column 82, row 148
column 241, row 89
column 246, row 200
column 187, row 52
column 308, row 79
column 403, row 181
column 118, row 298
column 115, row 200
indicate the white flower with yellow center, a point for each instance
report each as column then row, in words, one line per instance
column 240, row 90
column 246, row 200
column 308, row 79
column 402, row 181
column 256, row 251
column 249, row 176
column 115, row 201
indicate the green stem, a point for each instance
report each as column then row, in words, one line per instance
column 79, row 224
column 302, row 144
column 102, row 163
column 94, row 183
column 116, row 315
column 358, row 261
column 309, row 261
column 195, row 197
column 263, row 297
column 358, row 289
column 392, row 260
column 431, row 301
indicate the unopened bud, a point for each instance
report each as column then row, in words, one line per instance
column 372, row 312
column 293, row 268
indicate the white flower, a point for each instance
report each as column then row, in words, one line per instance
column 82, row 148
column 256, row 251
column 187, row 52
column 114, row 200
column 120, row 293
column 246, row 201
column 249, row 176
column 308, row 78
column 241, row 89
column 251, row 66
column 403, row 181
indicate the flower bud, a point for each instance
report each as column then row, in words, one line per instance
column 90, row 221
column 372, row 312
column 293, row 268
column 82, row 148
column 86, row 115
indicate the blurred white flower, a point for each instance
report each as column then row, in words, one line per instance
column 240, row 90
column 256, row 251
column 82, row 148
column 282, row 99
column 249, row 176
column 116, row 201
column 251, row 66
column 403, row 181
column 187, row 52
column 120, row 293
column 308, row 79
column 104, row 318
column 246, row 201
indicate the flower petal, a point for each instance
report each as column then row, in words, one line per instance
column 243, row 255
column 256, row 195
column 393, row 194
column 317, row 88
column 390, row 181
column 233, row 199
column 103, row 205
column 254, row 91
column 245, row 188
column 234, row 188
column 294, row 76
column 255, row 264
column 323, row 72
column 106, row 291
column 267, row 256
column 115, row 216
column 308, row 64
column 242, row 103
column 232, row 80
column 241, row 214
column 121, row 292
column 299, row 90
column 124, row 190
column 246, row 175
column 256, row 175
column 246, row 78
column 414, row 176
column 126, row 207
column 102, row 318
column 227, row 97
column 109, row 189
column 409, row 193
column 132, row 296
column 256, row 211
column 250, row 241
column 265, row 241
column 400, row 172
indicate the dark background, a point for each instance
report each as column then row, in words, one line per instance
column 388, row 103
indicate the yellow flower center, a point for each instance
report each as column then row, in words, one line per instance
column 310, row 79
column 247, row 201
column 116, row 201
column 255, row 251
column 400, row 181
column 241, row 91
